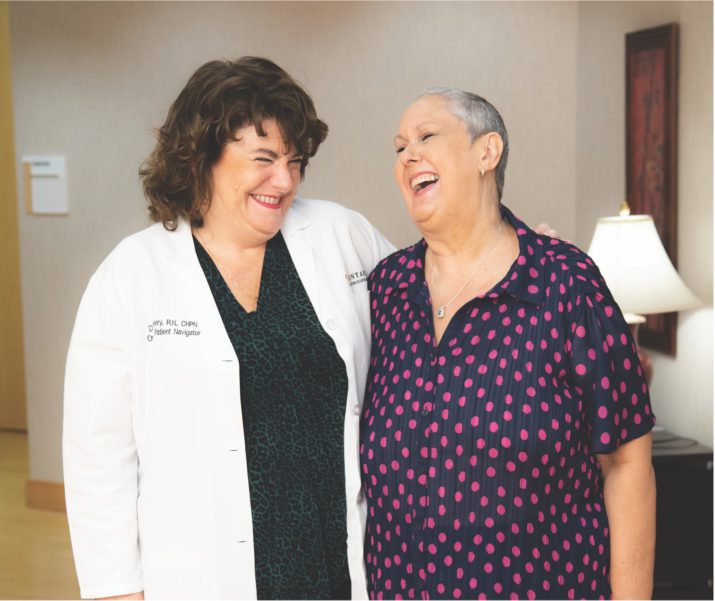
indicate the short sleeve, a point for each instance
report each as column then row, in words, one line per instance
column 606, row 368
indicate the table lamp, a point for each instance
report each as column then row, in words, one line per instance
column 637, row 270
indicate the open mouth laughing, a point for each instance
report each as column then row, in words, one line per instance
column 423, row 181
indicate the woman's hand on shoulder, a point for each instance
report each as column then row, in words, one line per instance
column 544, row 229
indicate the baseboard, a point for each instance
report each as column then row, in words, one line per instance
column 41, row 494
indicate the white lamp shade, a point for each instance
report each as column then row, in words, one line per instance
column 637, row 270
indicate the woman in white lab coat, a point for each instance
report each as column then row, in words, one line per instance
column 218, row 361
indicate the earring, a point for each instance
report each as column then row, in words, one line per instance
column 481, row 172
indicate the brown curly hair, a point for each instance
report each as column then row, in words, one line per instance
column 220, row 98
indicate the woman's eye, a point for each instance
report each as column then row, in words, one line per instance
column 426, row 137
column 399, row 149
column 297, row 162
column 263, row 160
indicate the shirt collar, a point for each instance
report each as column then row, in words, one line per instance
column 295, row 219
column 525, row 279
column 408, row 279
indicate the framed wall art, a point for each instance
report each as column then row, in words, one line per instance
column 651, row 151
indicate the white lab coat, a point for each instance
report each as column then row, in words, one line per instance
column 154, row 458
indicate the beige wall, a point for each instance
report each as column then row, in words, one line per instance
column 91, row 80
column 682, row 388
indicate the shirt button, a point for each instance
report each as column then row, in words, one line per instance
column 425, row 410
column 331, row 324
column 356, row 409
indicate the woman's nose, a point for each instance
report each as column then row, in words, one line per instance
column 409, row 153
column 282, row 177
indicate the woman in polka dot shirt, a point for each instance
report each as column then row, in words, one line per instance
column 505, row 439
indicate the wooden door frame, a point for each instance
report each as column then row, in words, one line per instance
column 13, row 398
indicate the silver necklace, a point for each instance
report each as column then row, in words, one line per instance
column 443, row 306
column 224, row 272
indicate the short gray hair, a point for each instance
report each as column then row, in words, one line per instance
column 479, row 117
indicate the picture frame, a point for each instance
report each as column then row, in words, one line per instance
column 651, row 151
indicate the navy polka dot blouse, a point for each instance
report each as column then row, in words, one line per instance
column 477, row 453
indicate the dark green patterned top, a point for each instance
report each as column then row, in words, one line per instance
column 293, row 393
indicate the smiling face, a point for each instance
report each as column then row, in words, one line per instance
column 437, row 166
column 254, row 183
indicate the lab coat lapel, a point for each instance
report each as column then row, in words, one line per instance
column 180, row 248
column 180, row 244
column 298, row 233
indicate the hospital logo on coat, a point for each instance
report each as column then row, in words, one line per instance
column 355, row 278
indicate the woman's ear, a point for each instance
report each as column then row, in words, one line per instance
column 493, row 146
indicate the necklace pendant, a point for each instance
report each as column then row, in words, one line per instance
column 440, row 312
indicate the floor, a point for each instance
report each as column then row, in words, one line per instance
column 35, row 554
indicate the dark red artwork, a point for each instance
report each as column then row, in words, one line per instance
column 648, row 138
column 651, row 147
